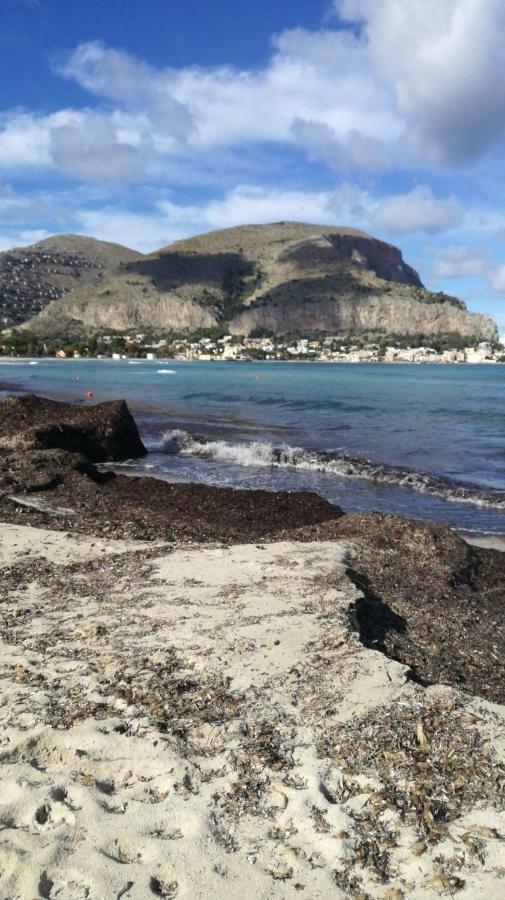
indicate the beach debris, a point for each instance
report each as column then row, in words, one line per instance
column 412, row 778
column 42, row 507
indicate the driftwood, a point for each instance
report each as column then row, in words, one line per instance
column 43, row 507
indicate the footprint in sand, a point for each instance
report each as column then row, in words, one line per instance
column 164, row 885
column 52, row 887
column 54, row 815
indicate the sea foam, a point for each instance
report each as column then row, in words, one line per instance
column 263, row 454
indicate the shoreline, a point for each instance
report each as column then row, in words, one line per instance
column 490, row 539
column 211, row 691
column 173, row 359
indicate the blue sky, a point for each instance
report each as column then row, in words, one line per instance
column 145, row 123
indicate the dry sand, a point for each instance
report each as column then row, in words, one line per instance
column 199, row 723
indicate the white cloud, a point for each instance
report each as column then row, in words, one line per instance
column 462, row 262
column 471, row 262
column 159, row 221
column 168, row 221
column 418, row 81
column 418, row 210
column 86, row 144
column 18, row 209
column 497, row 280
column 90, row 148
column 311, row 76
column 24, row 140
column 445, row 60
column 141, row 231
column 260, row 205
column 322, row 145
column 132, row 83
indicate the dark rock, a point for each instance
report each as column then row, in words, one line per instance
column 102, row 432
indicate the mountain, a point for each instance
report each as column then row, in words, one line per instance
column 286, row 277
column 35, row 277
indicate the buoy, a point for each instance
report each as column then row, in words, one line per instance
column 89, row 394
column 77, row 377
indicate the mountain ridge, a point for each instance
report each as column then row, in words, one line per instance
column 284, row 277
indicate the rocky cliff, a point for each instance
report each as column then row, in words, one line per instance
column 286, row 277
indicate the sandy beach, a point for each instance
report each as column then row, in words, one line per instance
column 237, row 694
column 205, row 722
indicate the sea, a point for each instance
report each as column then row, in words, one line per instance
column 424, row 441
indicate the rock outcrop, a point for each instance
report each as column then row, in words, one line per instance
column 101, row 433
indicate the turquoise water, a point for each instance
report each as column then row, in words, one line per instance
column 424, row 441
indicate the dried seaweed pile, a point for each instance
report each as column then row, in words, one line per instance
column 117, row 506
column 430, row 765
column 429, row 600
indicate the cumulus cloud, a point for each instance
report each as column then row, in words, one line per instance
column 462, row 262
column 141, row 231
column 85, row 144
column 471, row 262
column 414, row 82
column 132, row 83
column 256, row 204
column 445, row 61
column 321, row 144
column 18, row 209
column 311, row 76
column 168, row 221
column 90, row 148
column 24, row 139
column 418, row 210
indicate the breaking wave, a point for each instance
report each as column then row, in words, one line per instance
column 263, row 454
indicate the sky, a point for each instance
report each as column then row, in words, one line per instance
column 143, row 123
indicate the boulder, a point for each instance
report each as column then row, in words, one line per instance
column 102, row 432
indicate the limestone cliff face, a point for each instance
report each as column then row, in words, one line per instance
column 120, row 307
column 285, row 277
column 381, row 314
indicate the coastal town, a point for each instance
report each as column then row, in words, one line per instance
column 329, row 349
column 227, row 347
